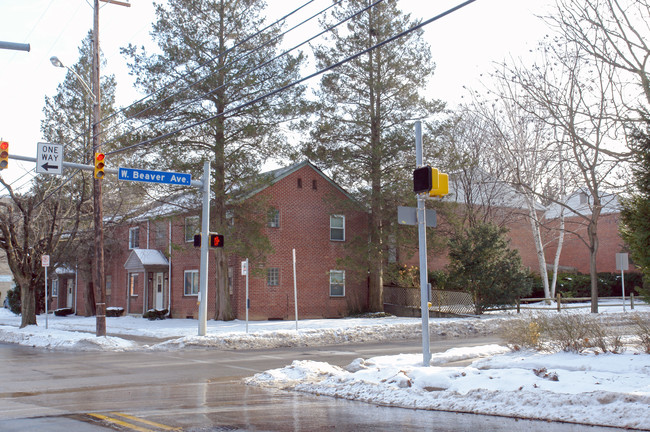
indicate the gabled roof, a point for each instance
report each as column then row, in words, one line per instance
column 145, row 259
column 486, row 190
column 580, row 202
column 280, row 173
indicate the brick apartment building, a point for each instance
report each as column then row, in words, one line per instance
column 153, row 264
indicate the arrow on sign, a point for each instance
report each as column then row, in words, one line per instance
column 46, row 166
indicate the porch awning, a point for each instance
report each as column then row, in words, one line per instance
column 141, row 260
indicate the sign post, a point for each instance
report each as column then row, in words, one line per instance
column 45, row 262
column 244, row 272
column 622, row 264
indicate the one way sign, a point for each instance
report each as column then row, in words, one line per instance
column 49, row 158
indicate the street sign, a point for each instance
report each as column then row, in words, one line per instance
column 409, row 216
column 49, row 158
column 622, row 262
column 149, row 176
column 45, row 261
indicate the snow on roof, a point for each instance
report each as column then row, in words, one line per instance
column 580, row 202
column 141, row 258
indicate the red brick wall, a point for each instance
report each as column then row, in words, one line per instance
column 304, row 225
column 575, row 253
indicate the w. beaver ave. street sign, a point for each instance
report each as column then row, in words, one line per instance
column 148, row 176
column 49, row 158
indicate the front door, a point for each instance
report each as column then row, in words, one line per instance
column 159, row 290
column 69, row 293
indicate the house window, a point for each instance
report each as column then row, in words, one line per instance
column 161, row 231
column 313, row 184
column 134, row 238
column 55, row 288
column 337, row 283
column 273, row 218
column 192, row 227
column 191, row 282
column 299, row 183
column 231, row 273
column 337, row 227
column 109, row 283
column 230, row 217
column 273, row 276
column 133, row 283
column 583, row 198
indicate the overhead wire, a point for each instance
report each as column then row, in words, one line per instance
column 299, row 81
column 245, row 73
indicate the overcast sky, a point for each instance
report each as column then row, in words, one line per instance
column 464, row 45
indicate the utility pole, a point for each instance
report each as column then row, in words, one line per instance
column 99, row 280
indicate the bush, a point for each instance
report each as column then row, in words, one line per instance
column 63, row 311
column 114, row 311
column 13, row 295
column 642, row 332
column 155, row 314
column 482, row 263
column 402, row 275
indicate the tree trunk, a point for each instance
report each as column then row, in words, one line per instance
column 89, row 300
column 539, row 246
column 27, row 305
column 593, row 272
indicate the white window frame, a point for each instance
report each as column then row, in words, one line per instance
column 273, row 275
column 337, row 228
column 132, row 284
column 194, row 281
column 55, row 287
column 336, row 283
column 134, row 238
column 192, row 223
column 273, row 220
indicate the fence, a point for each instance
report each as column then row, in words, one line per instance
column 564, row 303
column 443, row 302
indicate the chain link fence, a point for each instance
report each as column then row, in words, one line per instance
column 443, row 302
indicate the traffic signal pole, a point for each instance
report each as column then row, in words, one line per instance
column 205, row 251
column 422, row 246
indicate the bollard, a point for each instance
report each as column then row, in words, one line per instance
column 518, row 306
column 559, row 302
column 632, row 300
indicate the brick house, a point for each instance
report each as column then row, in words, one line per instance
column 153, row 264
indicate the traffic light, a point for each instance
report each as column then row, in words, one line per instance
column 442, row 188
column 216, row 240
column 422, row 179
column 99, row 165
column 4, row 154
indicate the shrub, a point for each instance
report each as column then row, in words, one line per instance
column 114, row 311
column 63, row 311
column 13, row 296
column 523, row 333
column 155, row 314
column 642, row 332
column 482, row 263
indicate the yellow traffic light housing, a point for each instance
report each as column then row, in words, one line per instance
column 99, row 165
column 4, row 154
column 442, row 187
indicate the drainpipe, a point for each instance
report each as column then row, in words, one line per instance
column 76, row 279
column 169, row 272
column 148, row 233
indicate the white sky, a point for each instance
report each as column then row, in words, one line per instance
column 593, row 388
column 463, row 44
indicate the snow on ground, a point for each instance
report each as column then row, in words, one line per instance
column 589, row 388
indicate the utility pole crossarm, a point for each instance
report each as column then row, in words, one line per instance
column 117, row 2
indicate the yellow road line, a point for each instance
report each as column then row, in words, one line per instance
column 120, row 422
column 150, row 423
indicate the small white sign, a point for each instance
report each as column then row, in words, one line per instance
column 45, row 260
column 622, row 262
column 244, row 268
column 49, row 158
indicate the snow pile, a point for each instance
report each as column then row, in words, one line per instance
column 40, row 337
column 607, row 389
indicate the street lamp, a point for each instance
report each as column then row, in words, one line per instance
column 57, row 63
column 98, row 211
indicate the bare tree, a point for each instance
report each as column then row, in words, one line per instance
column 575, row 95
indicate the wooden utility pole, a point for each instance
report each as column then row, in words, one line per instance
column 99, row 279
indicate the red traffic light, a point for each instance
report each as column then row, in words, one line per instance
column 4, row 154
column 4, row 145
column 216, row 240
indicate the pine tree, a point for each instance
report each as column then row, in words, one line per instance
column 635, row 214
column 209, row 48
column 364, row 130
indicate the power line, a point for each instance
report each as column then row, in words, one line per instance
column 299, row 81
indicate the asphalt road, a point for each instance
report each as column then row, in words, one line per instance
column 201, row 390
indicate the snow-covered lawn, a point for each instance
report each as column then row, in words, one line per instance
column 590, row 388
